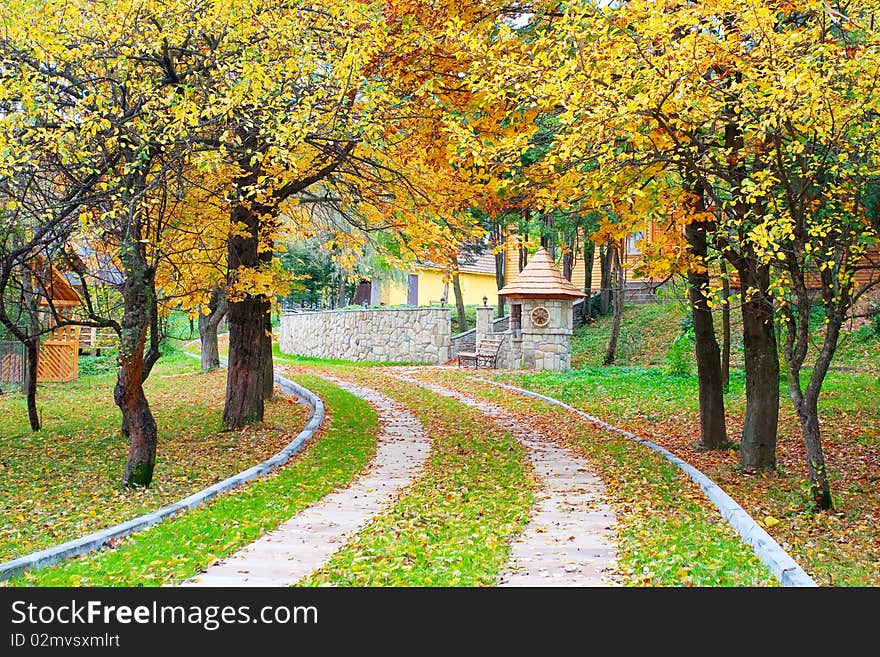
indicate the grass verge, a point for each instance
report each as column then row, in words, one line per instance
column 63, row 481
column 838, row 548
column 667, row 533
column 453, row 525
column 183, row 546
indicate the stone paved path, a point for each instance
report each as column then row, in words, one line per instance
column 305, row 542
column 569, row 539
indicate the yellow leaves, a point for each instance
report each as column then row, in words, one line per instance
column 770, row 521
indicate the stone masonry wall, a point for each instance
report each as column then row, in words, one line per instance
column 403, row 335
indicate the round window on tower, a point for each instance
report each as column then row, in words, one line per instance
column 540, row 316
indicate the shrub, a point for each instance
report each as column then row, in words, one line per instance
column 679, row 357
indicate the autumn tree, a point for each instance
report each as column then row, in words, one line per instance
column 768, row 109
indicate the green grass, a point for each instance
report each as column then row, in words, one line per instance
column 280, row 358
column 452, row 527
column 667, row 534
column 181, row 547
column 646, row 332
column 64, row 481
column 839, row 547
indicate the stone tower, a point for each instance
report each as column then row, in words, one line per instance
column 541, row 324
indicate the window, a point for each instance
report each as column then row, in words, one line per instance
column 632, row 241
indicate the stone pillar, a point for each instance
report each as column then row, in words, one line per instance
column 484, row 322
column 375, row 292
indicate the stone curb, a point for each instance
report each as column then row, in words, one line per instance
column 98, row 539
column 777, row 560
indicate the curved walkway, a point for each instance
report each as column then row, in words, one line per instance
column 305, row 542
column 569, row 538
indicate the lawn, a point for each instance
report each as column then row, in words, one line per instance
column 63, row 481
column 183, row 546
column 454, row 524
column 668, row 534
column 842, row 547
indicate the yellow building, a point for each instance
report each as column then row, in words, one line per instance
column 427, row 284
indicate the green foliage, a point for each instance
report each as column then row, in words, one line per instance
column 316, row 273
column 103, row 364
column 679, row 358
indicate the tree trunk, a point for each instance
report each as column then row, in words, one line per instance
column 266, row 353
column 725, row 327
column 758, row 448
column 210, row 351
column 208, row 328
column 32, row 353
column 806, row 402
column 340, row 291
column 606, row 260
column 138, row 423
column 713, row 432
column 499, row 269
column 32, row 348
column 568, row 258
column 820, row 489
column 244, row 379
column 611, row 351
column 459, row 303
column 589, row 257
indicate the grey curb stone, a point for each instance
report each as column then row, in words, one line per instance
column 777, row 560
column 100, row 538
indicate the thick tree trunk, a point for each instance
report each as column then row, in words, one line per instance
column 606, row 260
column 138, row 423
column 244, row 379
column 725, row 327
column 758, row 448
column 210, row 351
column 611, row 351
column 713, row 432
column 459, row 303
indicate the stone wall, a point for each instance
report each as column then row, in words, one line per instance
column 403, row 335
column 542, row 348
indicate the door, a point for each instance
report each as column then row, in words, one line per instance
column 412, row 291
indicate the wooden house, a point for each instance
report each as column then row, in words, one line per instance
column 636, row 287
column 59, row 352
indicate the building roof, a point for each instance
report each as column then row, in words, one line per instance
column 541, row 278
column 484, row 263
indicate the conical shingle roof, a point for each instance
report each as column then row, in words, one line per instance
column 541, row 278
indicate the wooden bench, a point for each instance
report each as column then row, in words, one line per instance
column 485, row 355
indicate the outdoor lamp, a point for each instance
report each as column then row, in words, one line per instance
column 485, row 301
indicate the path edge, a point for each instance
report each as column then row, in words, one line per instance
column 781, row 564
column 96, row 540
